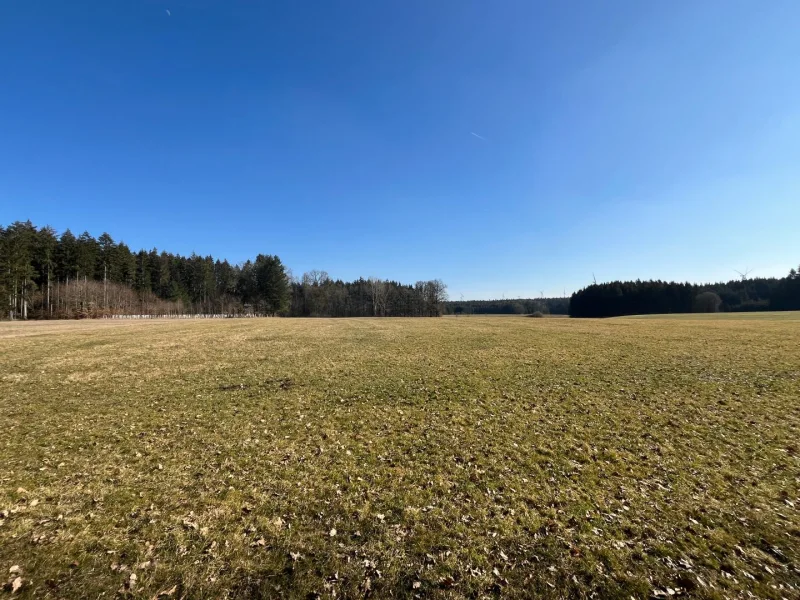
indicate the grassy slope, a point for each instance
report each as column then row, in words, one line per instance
column 452, row 457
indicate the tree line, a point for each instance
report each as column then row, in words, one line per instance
column 618, row 298
column 47, row 275
column 518, row 306
column 315, row 294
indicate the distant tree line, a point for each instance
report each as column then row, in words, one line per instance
column 619, row 298
column 519, row 306
column 47, row 275
column 787, row 294
column 315, row 294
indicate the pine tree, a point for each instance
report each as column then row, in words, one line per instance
column 86, row 249
column 272, row 284
column 67, row 256
column 17, row 256
column 45, row 264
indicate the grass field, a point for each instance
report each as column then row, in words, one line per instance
column 431, row 458
column 732, row 316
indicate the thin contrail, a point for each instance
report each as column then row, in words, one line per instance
column 480, row 137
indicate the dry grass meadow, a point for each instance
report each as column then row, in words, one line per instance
column 431, row 458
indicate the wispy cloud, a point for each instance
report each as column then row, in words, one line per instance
column 169, row 14
column 480, row 137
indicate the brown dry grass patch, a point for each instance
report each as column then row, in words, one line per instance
column 442, row 458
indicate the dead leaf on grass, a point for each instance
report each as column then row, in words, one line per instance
column 16, row 585
column 167, row 593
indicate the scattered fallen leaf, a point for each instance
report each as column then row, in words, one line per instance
column 189, row 524
column 167, row 593
column 16, row 585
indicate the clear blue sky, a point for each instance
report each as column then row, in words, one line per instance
column 627, row 139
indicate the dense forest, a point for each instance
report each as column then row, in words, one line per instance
column 518, row 306
column 46, row 275
column 619, row 298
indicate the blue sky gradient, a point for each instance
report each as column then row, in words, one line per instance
column 626, row 139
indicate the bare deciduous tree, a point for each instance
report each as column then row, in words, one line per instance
column 379, row 291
